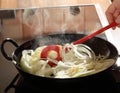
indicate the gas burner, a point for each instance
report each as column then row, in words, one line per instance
column 104, row 82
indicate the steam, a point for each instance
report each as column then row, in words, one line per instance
column 44, row 21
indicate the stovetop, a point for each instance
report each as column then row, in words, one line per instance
column 103, row 82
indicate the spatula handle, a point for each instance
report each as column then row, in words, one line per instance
column 85, row 38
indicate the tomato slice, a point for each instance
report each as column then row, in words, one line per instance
column 47, row 49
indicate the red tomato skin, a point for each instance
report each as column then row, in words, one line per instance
column 47, row 49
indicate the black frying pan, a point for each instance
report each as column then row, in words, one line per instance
column 98, row 45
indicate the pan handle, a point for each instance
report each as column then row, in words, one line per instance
column 3, row 48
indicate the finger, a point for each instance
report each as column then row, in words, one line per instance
column 116, row 13
column 110, row 18
column 110, row 14
column 118, row 20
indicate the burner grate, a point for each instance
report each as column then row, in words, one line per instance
column 12, row 84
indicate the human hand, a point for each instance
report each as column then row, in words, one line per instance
column 113, row 12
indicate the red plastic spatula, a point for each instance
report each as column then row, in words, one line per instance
column 44, row 53
column 85, row 38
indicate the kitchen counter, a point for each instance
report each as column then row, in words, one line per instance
column 12, row 4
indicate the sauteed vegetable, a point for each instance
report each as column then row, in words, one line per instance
column 52, row 52
column 70, row 61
